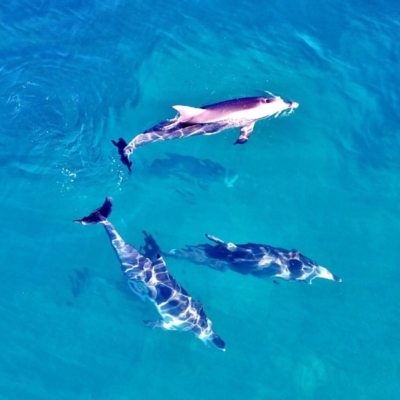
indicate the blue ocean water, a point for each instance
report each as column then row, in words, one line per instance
column 325, row 180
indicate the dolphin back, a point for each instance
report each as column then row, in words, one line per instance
column 233, row 105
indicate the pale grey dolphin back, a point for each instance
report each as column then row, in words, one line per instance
column 223, row 109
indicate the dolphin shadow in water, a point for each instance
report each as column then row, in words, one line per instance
column 183, row 165
column 191, row 169
column 79, row 282
column 209, row 120
column 150, row 280
column 262, row 261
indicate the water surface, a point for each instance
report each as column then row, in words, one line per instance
column 324, row 181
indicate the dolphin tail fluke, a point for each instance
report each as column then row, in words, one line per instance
column 120, row 145
column 99, row 215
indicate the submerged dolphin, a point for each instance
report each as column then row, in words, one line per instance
column 211, row 119
column 151, row 280
column 259, row 260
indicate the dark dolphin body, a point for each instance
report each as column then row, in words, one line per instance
column 259, row 260
column 209, row 120
column 151, row 280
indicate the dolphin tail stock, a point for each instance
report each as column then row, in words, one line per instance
column 121, row 145
column 97, row 216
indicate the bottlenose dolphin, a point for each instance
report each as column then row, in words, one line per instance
column 211, row 119
column 151, row 280
column 259, row 260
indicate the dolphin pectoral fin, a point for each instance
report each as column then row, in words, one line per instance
column 215, row 239
column 322, row 272
column 245, row 133
column 159, row 323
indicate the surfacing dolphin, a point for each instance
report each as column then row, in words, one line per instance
column 151, row 280
column 259, row 260
column 211, row 119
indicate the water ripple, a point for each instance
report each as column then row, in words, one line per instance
column 68, row 70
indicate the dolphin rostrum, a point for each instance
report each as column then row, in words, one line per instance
column 208, row 120
column 151, row 280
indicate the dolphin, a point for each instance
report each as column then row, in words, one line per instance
column 211, row 119
column 151, row 280
column 260, row 260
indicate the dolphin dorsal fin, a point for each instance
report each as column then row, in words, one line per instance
column 186, row 113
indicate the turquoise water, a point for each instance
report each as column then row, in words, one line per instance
column 324, row 180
